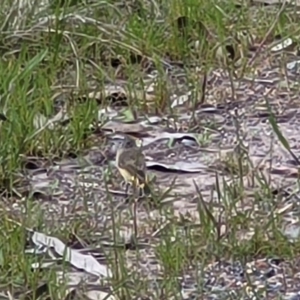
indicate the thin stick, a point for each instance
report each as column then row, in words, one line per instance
column 134, row 214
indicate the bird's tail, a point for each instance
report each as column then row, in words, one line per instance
column 147, row 189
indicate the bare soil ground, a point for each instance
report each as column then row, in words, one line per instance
column 219, row 125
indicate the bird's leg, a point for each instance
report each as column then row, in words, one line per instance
column 134, row 209
column 125, row 185
column 126, row 188
column 141, row 192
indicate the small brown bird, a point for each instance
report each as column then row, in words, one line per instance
column 130, row 162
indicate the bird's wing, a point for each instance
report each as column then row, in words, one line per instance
column 140, row 174
column 134, row 163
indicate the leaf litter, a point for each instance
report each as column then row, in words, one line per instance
column 79, row 188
